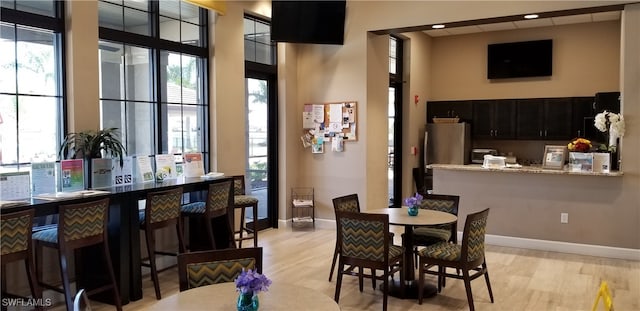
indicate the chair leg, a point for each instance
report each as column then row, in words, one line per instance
column 242, row 225
column 152, row 261
column 339, row 281
column 255, row 225
column 467, row 286
column 207, row 225
column 112, row 276
column 66, row 284
column 420, row 280
column 333, row 262
column 385, row 292
column 486, row 278
column 36, row 291
column 360, row 277
column 373, row 278
column 441, row 278
column 39, row 263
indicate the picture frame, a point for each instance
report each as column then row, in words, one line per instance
column 553, row 157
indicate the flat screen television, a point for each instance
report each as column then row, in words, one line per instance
column 320, row 22
column 520, row 59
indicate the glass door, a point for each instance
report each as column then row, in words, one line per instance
column 259, row 142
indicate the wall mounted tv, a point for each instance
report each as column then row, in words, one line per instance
column 520, row 59
column 320, row 22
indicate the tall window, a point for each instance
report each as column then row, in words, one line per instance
column 395, row 121
column 153, row 60
column 262, row 118
column 31, row 80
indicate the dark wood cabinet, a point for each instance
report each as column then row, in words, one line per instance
column 544, row 118
column 582, row 113
column 462, row 109
column 494, row 119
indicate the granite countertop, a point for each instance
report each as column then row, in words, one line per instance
column 521, row 170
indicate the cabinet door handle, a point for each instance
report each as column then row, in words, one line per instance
column 579, row 133
column 540, row 133
column 545, row 133
column 496, row 133
column 491, row 132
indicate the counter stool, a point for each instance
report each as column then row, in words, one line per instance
column 242, row 201
column 219, row 201
column 15, row 244
column 80, row 225
column 162, row 210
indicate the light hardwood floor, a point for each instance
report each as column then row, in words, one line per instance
column 521, row 279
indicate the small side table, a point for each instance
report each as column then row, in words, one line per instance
column 302, row 206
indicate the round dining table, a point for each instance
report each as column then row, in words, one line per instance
column 400, row 217
column 223, row 296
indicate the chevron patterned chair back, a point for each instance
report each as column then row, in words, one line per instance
column 243, row 201
column 346, row 203
column 162, row 210
column 15, row 245
column 427, row 235
column 211, row 267
column 81, row 225
column 365, row 243
column 468, row 257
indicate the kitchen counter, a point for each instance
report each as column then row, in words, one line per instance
column 518, row 170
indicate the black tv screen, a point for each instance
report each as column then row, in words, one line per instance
column 320, row 22
column 520, row 59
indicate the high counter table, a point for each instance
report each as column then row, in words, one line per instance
column 124, row 226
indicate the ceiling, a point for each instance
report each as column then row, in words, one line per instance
column 530, row 23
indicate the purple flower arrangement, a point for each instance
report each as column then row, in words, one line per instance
column 250, row 281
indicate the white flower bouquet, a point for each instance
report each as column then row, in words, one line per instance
column 611, row 124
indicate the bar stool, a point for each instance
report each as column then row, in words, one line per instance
column 162, row 210
column 15, row 244
column 80, row 225
column 242, row 201
column 219, row 200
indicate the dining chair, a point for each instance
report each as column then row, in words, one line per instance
column 162, row 209
column 202, row 268
column 242, row 201
column 468, row 257
column 346, row 203
column 218, row 204
column 80, row 225
column 15, row 245
column 427, row 235
column 365, row 243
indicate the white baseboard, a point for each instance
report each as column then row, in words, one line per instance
column 542, row 245
column 562, row 247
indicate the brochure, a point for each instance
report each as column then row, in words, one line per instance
column 144, row 169
column 14, row 186
column 72, row 174
column 43, row 177
column 166, row 164
column 101, row 172
column 122, row 175
column 193, row 165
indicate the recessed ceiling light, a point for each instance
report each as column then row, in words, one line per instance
column 531, row 16
column 438, row 26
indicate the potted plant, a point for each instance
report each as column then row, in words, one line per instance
column 91, row 144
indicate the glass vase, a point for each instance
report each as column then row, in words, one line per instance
column 413, row 210
column 248, row 302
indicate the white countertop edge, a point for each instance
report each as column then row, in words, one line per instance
column 524, row 169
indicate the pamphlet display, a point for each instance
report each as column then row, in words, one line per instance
column 122, row 175
column 101, row 172
column 193, row 165
column 166, row 164
column 14, row 186
column 145, row 171
column 43, row 177
column 72, row 174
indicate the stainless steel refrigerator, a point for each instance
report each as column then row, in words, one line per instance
column 447, row 143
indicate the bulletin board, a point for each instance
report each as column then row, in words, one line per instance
column 331, row 120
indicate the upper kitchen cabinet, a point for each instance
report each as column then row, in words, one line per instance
column 462, row 109
column 547, row 119
column 494, row 119
column 582, row 112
